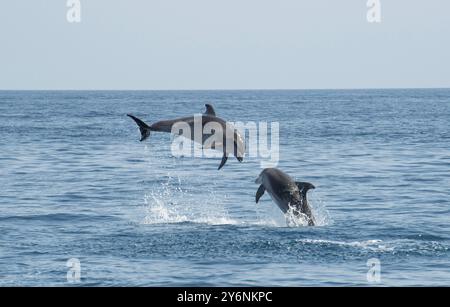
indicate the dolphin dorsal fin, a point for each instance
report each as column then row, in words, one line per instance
column 260, row 192
column 209, row 110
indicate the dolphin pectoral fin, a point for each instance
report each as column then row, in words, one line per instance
column 260, row 192
column 209, row 110
column 299, row 184
column 304, row 187
column 143, row 127
column 224, row 160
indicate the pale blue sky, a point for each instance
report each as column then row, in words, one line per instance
column 224, row 44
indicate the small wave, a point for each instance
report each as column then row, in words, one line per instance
column 266, row 223
column 394, row 247
column 373, row 245
column 53, row 217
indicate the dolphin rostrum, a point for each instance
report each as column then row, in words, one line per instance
column 286, row 193
column 228, row 136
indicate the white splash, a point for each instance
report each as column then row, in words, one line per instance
column 296, row 219
column 269, row 214
column 321, row 215
column 169, row 203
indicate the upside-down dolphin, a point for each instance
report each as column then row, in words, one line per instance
column 285, row 192
column 229, row 135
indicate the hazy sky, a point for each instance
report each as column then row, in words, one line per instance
column 224, row 44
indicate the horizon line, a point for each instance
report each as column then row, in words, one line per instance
column 229, row 89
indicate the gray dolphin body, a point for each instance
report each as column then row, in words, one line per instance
column 285, row 192
column 229, row 134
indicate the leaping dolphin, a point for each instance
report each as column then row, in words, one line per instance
column 229, row 133
column 285, row 192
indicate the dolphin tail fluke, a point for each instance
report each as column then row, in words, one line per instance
column 143, row 127
column 224, row 160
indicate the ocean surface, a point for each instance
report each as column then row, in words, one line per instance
column 75, row 182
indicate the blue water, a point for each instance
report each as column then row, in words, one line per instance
column 75, row 182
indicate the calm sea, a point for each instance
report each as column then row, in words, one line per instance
column 75, row 182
